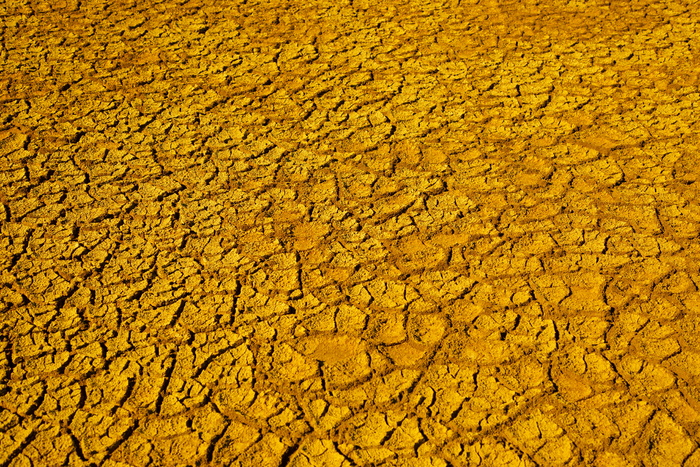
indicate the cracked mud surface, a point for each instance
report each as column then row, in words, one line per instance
column 334, row 233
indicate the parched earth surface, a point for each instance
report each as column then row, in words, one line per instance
column 349, row 233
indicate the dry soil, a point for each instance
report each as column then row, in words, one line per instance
column 349, row 233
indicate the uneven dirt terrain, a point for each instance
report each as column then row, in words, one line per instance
column 349, row 233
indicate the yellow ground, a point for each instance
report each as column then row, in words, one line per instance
column 349, row 233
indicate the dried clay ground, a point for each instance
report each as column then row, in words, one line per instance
column 346, row 233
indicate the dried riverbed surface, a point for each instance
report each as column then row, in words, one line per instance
column 349, row 233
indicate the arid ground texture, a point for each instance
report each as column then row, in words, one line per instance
column 344, row 233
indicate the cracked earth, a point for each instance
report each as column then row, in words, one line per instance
column 349, row 233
